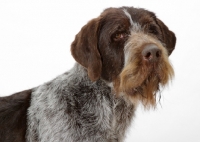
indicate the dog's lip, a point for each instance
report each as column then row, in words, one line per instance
column 135, row 90
column 139, row 89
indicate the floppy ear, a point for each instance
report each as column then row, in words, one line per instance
column 168, row 36
column 84, row 49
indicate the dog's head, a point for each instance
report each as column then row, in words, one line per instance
column 128, row 47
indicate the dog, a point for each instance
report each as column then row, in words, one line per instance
column 121, row 61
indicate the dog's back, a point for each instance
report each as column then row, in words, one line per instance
column 13, row 110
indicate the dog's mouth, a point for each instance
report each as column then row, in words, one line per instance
column 143, row 83
column 147, row 90
column 153, row 78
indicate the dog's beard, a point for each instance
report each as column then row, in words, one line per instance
column 140, row 80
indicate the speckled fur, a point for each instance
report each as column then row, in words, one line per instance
column 73, row 109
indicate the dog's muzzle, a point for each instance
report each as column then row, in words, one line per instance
column 146, row 68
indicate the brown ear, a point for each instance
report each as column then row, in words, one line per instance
column 84, row 49
column 168, row 36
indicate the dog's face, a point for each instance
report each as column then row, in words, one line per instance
column 128, row 47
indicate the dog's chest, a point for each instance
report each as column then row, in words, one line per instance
column 77, row 114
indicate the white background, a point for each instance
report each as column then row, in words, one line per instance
column 35, row 38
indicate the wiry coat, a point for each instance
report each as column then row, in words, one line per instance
column 121, row 59
column 94, row 114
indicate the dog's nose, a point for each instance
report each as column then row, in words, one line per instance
column 151, row 52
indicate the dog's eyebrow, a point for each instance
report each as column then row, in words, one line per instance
column 129, row 16
column 136, row 27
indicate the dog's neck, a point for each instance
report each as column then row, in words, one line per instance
column 79, row 74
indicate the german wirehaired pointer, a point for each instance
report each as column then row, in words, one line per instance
column 121, row 61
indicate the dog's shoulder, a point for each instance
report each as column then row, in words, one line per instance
column 13, row 115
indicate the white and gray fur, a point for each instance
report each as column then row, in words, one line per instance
column 71, row 108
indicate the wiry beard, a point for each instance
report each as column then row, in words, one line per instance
column 140, row 80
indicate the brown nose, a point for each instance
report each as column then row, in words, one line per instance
column 151, row 52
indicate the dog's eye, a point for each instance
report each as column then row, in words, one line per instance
column 120, row 36
column 153, row 29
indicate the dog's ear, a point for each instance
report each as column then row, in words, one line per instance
column 168, row 36
column 84, row 49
